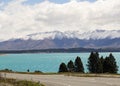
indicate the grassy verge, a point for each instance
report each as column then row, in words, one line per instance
column 107, row 75
column 13, row 82
column 10, row 71
column 92, row 75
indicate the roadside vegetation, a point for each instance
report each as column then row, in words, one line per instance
column 96, row 64
column 27, row 72
column 14, row 82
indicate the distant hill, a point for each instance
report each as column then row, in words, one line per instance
column 70, row 50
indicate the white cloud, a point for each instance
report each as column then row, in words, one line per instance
column 18, row 19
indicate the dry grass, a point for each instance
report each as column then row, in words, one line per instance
column 13, row 82
column 92, row 75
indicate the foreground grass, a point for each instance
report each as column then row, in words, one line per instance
column 13, row 82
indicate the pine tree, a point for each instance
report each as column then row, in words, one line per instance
column 109, row 65
column 94, row 63
column 99, row 66
column 70, row 66
column 91, row 63
column 79, row 65
column 102, row 62
column 63, row 68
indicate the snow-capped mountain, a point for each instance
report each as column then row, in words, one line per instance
column 52, row 35
column 101, row 34
column 97, row 34
column 68, row 39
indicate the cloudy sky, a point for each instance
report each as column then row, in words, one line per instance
column 21, row 17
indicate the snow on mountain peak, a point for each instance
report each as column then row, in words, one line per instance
column 45, row 35
column 101, row 34
column 97, row 34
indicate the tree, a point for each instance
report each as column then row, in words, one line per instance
column 91, row 61
column 70, row 66
column 28, row 70
column 94, row 63
column 79, row 65
column 110, row 65
column 63, row 68
column 102, row 62
column 99, row 66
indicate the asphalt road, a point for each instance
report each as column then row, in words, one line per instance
column 61, row 80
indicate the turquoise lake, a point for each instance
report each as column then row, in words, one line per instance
column 45, row 62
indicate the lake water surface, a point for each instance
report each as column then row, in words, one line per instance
column 46, row 62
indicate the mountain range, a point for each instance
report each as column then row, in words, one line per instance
column 68, row 39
